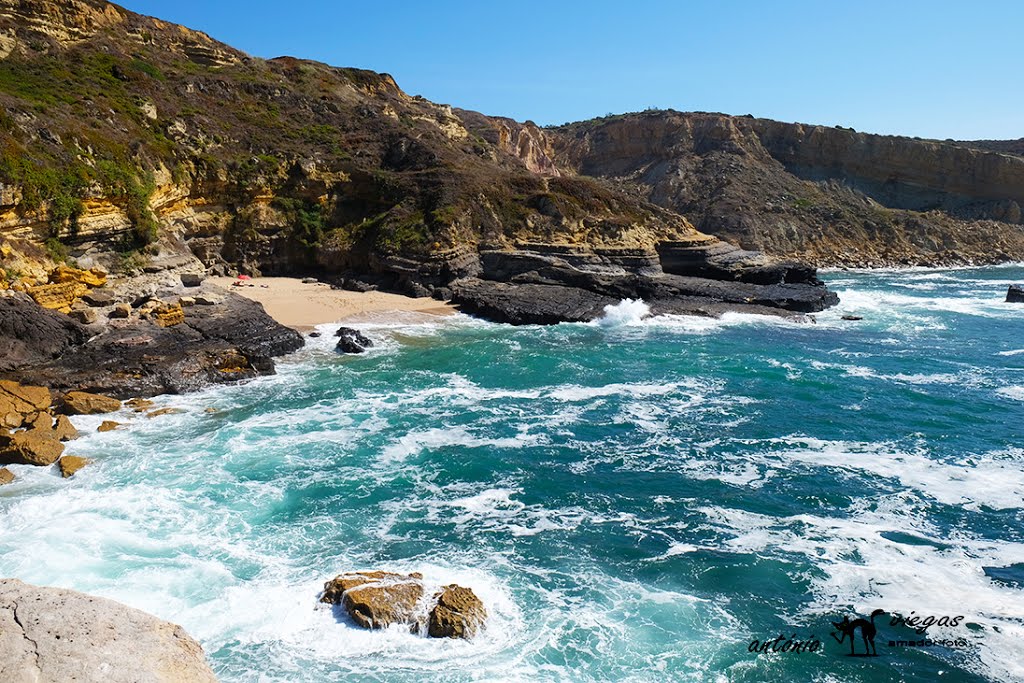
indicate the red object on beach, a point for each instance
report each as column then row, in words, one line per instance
column 244, row 277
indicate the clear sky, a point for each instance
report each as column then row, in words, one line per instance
column 937, row 69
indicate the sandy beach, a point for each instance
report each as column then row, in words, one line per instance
column 303, row 305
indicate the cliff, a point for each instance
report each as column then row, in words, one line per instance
column 832, row 196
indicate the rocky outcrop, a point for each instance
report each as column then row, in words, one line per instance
column 352, row 341
column 6, row 476
column 164, row 350
column 53, row 634
column 20, row 404
column 548, row 284
column 377, row 599
column 1015, row 294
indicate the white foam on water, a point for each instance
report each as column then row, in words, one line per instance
column 1014, row 352
column 859, row 569
column 994, row 479
column 1015, row 392
column 415, row 442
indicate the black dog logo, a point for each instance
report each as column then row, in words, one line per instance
column 867, row 632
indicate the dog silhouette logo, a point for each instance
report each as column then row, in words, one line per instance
column 847, row 628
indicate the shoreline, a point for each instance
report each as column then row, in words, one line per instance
column 302, row 306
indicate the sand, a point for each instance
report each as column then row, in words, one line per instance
column 302, row 306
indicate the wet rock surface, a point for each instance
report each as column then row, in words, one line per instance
column 378, row 599
column 351, row 340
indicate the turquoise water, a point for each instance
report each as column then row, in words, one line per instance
column 634, row 499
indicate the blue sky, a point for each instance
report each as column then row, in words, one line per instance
column 935, row 69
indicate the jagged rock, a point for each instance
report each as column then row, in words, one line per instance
column 84, row 403
column 98, row 298
column 459, row 613
column 1015, row 294
column 120, row 311
column 351, row 340
column 168, row 316
column 94, row 277
column 376, row 599
column 52, row 634
column 139, row 404
column 164, row 411
column 108, row 426
column 29, row 447
column 69, row 464
column 19, row 403
column 852, row 317
column 529, row 304
column 64, row 430
column 31, row 335
column 59, row 296
column 86, row 316
column 6, row 477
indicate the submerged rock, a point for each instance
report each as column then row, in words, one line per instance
column 1015, row 294
column 351, row 340
column 376, row 599
column 108, row 426
column 459, row 613
column 52, row 634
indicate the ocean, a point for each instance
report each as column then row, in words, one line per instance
column 634, row 499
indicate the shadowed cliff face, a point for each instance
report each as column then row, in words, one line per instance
column 830, row 195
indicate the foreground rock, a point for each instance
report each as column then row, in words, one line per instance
column 351, row 340
column 379, row 599
column 6, row 476
column 1015, row 294
column 52, row 634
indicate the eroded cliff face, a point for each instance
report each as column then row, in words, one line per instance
column 830, row 195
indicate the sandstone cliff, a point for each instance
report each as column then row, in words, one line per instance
column 832, row 196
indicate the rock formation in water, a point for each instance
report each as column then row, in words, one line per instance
column 52, row 634
column 378, row 599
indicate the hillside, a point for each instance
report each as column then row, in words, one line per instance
column 832, row 196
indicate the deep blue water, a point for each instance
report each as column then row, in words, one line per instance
column 634, row 499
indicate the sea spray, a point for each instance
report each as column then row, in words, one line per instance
column 626, row 312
